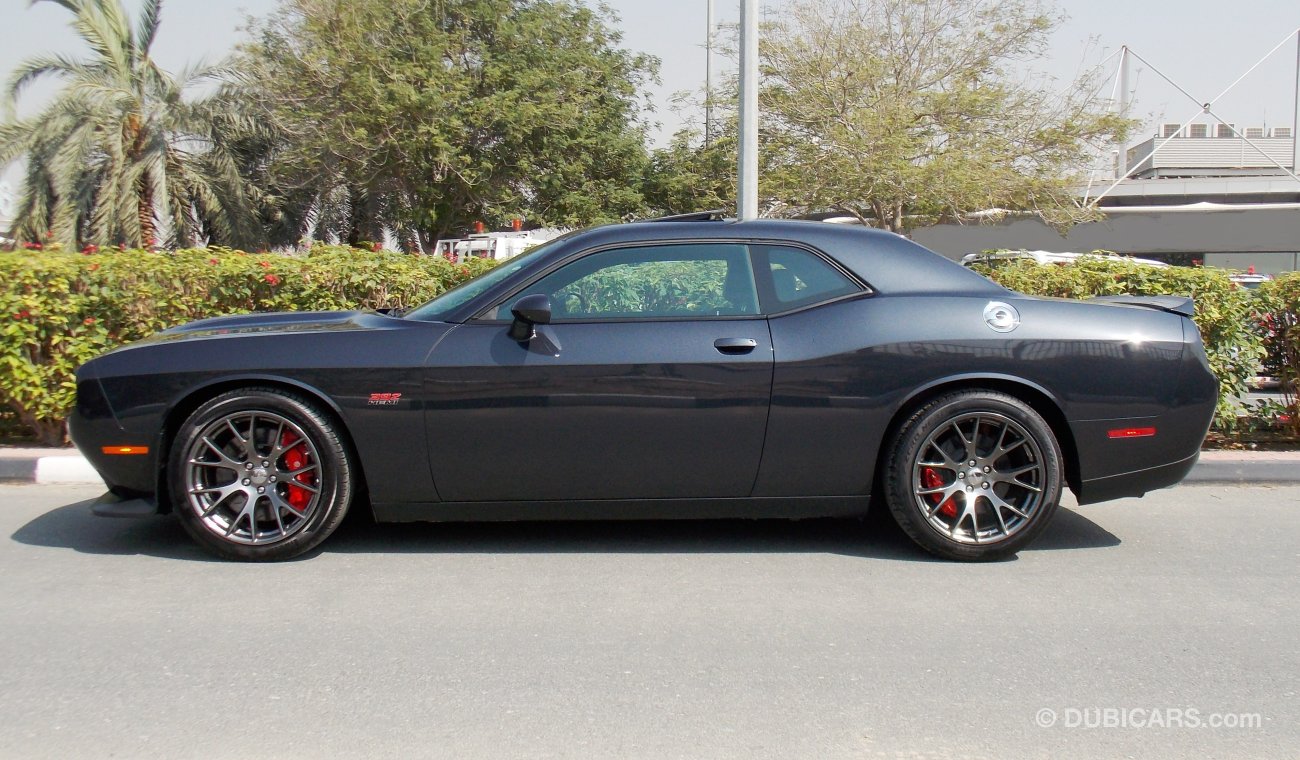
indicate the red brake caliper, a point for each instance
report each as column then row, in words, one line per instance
column 930, row 478
column 294, row 459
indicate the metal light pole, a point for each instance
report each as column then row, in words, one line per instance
column 708, row 76
column 1295, row 123
column 747, row 184
column 1122, row 165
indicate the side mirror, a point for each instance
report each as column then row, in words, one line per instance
column 529, row 311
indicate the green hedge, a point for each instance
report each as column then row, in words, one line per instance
column 1279, row 324
column 63, row 309
column 1225, row 312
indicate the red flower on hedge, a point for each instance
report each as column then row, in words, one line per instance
column 264, row 264
column 272, row 279
column 88, row 321
column 212, row 261
column 93, row 267
column 376, row 247
column 90, row 248
column 24, row 314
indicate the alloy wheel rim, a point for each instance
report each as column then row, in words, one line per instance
column 253, row 477
column 979, row 478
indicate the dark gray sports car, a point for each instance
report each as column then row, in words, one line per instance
column 683, row 369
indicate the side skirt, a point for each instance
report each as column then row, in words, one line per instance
column 638, row 509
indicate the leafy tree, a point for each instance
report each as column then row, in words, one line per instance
column 688, row 175
column 121, row 154
column 901, row 112
column 423, row 116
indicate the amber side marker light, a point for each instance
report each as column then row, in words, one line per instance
column 1132, row 433
column 125, row 449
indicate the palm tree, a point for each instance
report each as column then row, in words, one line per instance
column 121, row 155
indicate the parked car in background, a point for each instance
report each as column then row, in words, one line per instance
column 684, row 369
column 1249, row 279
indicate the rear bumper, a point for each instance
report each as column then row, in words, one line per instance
column 1135, row 483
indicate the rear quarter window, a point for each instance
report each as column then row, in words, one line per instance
column 797, row 278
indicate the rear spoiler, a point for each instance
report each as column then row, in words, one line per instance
column 1172, row 304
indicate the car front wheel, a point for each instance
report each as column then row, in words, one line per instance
column 974, row 475
column 259, row 474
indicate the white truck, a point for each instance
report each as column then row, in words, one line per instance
column 490, row 245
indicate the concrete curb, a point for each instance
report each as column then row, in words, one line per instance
column 64, row 468
column 20, row 470
column 1214, row 468
column 1245, row 472
column 50, row 470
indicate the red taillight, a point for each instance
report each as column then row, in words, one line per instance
column 1145, row 432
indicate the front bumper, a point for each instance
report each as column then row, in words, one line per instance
column 114, row 505
column 95, row 429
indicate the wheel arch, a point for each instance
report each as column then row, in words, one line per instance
column 1038, row 398
column 184, row 405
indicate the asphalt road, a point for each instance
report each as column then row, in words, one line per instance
column 820, row 639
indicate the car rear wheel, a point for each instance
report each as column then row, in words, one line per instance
column 974, row 475
column 259, row 474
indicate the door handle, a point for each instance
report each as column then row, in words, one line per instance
column 735, row 345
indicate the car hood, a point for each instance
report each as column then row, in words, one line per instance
column 274, row 322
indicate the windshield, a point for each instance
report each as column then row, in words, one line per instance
column 442, row 306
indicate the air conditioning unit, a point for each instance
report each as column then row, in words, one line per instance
column 1254, row 133
column 1198, row 130
column 1281, row 131
column 1225, row 130
column 1169, row 130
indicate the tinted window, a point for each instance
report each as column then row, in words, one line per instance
column 800, row 278
column 704, row 280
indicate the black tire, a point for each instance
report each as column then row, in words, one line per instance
column 939, row 500
column 298, row 475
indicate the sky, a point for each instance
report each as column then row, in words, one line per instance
column 1202, row 44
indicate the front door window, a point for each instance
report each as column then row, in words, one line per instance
column 652, row 282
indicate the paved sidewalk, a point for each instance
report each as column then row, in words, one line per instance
column 1247, row 468
column 50, row 466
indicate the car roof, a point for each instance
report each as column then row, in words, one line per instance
column 890, row 263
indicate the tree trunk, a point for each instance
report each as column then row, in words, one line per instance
column 148, row 231
column 48, row 432
column 144, row 189
column 51, row 432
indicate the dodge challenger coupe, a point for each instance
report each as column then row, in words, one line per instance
column 673, row 369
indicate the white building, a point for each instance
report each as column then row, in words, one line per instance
column 1206, row 194
column 7, row 201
